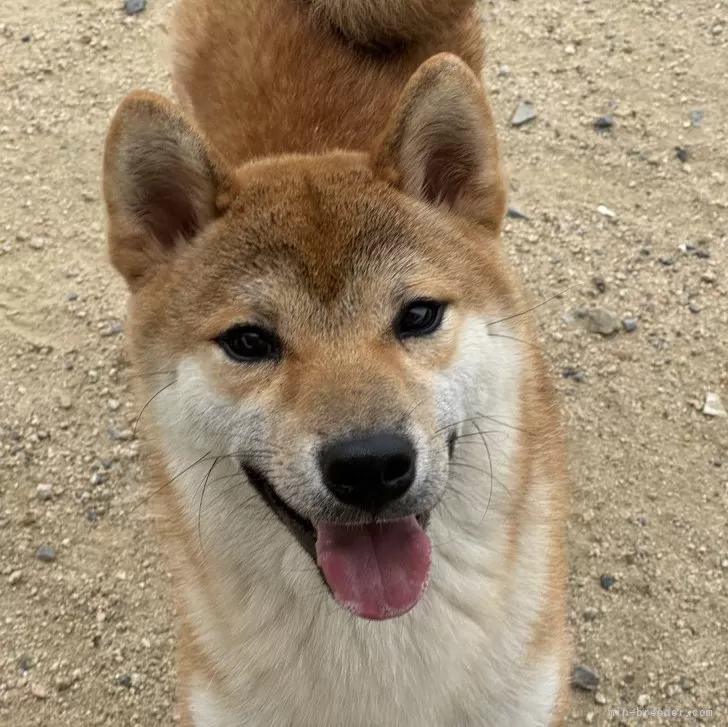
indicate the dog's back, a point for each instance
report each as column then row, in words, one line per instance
column 265, row 77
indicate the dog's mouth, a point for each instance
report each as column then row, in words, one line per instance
column 377, row 570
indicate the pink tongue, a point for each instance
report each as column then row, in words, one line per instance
column 377, row 570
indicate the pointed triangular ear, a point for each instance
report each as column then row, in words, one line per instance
column 162, row 184
column 441, row 146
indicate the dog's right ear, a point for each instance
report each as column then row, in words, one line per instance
column 162, row 184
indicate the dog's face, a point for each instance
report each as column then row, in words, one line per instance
column 323, row 322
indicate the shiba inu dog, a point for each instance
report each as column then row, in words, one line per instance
column 354, row 448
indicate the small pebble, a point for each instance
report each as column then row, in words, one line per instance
column 15, row 577
column 629, row 325
column 38, row 691
column 682, row 153
column 598, row 320
column 44, row 492
column 713, row 406
column 600, row 699
column 584, row 678
column 606, row 581
column 125, row 681
column 696, row 118
column 693, row 308
column 113, row 330
column 132, row 7
column 523, row 114
column 643, row 700
column 604, row 123
column 65, row 401
column 36, row 243
column 515, row 214
column 606, row 212
column 666, row 260
column 573, row 374
column 46, row 553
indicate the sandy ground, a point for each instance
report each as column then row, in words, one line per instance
column 86, row 621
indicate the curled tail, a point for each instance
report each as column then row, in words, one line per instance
column 391, row 22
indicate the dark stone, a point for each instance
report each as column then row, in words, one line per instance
column 46, row 553
column 26, row 38
column 584, row 678
column 515, row 214
column 682, row 153
column 125, row 681
column 600, row 284
column 629, row 325
column 573, row 374
column 666, row 260
column 132, row 7
column 607, row 581
column 604, row 123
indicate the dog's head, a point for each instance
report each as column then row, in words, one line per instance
column 319, row 325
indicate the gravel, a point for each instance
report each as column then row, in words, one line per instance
column 644, row 460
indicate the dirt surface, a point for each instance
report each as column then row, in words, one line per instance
column 86, row 623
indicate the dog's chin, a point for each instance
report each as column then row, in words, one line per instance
column 376, row 567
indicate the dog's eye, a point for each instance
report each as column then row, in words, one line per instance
column 249, row 343
column 419, row 318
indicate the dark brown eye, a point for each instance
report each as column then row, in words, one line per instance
column 419, row 318
column 249, row 344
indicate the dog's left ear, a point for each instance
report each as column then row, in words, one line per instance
column 440, row 145
column 163, row 184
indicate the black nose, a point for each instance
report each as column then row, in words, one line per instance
column 369, row 471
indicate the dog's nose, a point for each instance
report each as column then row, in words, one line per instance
column 369, row 471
